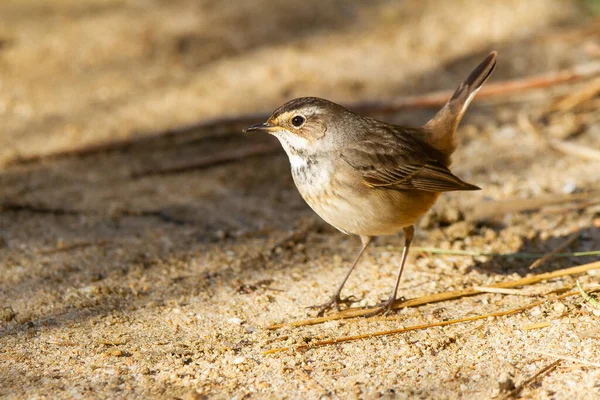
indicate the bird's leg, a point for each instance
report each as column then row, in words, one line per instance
column 387, row 305
column 336, row 300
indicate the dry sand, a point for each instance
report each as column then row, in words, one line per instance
column 120, row 283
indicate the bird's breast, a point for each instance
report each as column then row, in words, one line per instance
column 336, row 193
column 312, row 175
column 326, row 189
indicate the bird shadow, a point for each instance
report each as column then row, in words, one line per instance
column 534, row 249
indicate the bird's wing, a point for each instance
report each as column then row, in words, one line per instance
column 402, row 162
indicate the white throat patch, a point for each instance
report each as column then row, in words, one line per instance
column 288, row 140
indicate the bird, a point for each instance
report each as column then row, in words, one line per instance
column 367, row 177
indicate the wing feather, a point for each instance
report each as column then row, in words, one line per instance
column 400, row 161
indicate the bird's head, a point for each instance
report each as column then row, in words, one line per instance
column 305, row 124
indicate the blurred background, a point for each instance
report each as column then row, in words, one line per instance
column 145, row 241
column 75, row 73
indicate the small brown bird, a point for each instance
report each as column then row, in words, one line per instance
column 370, row 178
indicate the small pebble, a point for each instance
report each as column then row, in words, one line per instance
column 115, row 353
column 569, row 187
column 559, row 307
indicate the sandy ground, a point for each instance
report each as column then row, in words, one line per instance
column 121, row 281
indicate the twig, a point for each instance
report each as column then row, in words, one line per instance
column 588, row 92
column 470, row 253
column 418, row 327
column 434, row 99
column 440, row 98
column 435, row 298
column 518, row 389
column 567, row 358
column 570, row 208
column 574, row 149
column 554, row 252
column 60, row 249
column 487, row 210
column 516, row 292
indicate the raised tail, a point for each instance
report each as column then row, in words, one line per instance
column 442, row 127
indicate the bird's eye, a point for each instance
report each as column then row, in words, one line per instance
column 297, row 121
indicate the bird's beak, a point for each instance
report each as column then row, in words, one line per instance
column 264, row 127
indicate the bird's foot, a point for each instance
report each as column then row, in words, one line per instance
column 335, row 302
column 385, row 308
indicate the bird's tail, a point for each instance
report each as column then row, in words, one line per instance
column 441, row 128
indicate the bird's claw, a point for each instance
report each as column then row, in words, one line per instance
column 385, row 308
column 335, row 302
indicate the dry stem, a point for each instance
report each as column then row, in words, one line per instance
column 434, row 298
column 420, row 327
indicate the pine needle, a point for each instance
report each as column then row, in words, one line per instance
column 444, row 296
column 567, row 358
column 344, row 339
column 515, row 292
column 518, row 255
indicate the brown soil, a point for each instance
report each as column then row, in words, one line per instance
column 153, row 269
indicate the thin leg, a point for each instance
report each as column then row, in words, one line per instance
column 336, row 300
column 386, row 307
